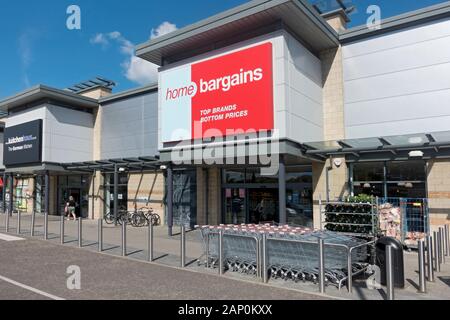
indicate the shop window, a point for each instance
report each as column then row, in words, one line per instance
column 406, row 171
column 234, row 176
column 299, row 206
column 405, row 179
column 373, row 171
column 184, row 198
column 301, row 174
column 406, row 190
column 122, row 194
column 369, row 188
column 254, row 176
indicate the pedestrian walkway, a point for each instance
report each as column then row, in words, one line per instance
column 167, row 252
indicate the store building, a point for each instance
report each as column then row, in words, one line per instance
column 76, row 142
column 347, row 111
column 260, row 112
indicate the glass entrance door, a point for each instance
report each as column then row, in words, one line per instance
column 235, row 206
column 263, row 205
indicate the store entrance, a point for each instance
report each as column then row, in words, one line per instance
column 251, row 205
column 263, row 205
column 76, row 194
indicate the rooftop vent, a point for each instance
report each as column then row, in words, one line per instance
column 97, row 82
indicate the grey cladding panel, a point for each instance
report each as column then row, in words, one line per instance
column 129, row 127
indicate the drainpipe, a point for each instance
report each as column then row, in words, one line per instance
column 327, row 178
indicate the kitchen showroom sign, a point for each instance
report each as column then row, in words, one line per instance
column 217, row 97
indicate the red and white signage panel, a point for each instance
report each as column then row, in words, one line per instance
column 210, row 98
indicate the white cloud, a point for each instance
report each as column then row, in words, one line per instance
column 164, row 28
column 140, row 71
column 25, row 50
column 100, row 38
column 135, row 69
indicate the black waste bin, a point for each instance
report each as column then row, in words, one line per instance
column 397, row 260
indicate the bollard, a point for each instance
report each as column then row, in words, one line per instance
column 389, row 273
column 430, row 259
column 19, row 217
column 221, row 252
column 437, row 267
column 100, row 235
column 80, row 232
column 150, row 241
column 422, row 281
column 207, row 251
column 33, row 222
column 439, row 250
column 124, row 238
column 61, row 230
column 442, row 240
column 447, row 240
column 46, row 226
column 265, row 275
column 321, row 266
column 7, row 221
column 183, row 246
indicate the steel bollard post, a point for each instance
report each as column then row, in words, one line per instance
column 207, row 251
column 19, row 217
column 265, row 275
column 7, row 221
column 221, row 252
column 447, row 240
column 150, row 256
column 124, row 238
column 439, row 249
column 46, row 226
column 389, row 274
column 80, row 232
column 100, row 235
column 437, row 266
column 183, row 246
column 422, row 280
column 321, row 266
column 442, row 239
column 61, row 230
column 349, row 271
column 33, row 222
column 430, row 259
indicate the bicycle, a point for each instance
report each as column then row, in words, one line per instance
column 143, row 216
column 122, row 215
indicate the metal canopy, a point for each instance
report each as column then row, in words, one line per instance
column 433, row 146
column 130, row 164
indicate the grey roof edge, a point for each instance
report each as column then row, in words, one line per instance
column 51, row 93
column 406, row 20
column 336, row 12
column 253, row 7
column 129, row 93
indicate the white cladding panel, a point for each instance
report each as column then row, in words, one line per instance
column 398, row 83
column 67, row 135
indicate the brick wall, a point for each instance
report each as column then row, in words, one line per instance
column 147, row 190
column 439, row 191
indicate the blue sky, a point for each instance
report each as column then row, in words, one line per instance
column 37, row 47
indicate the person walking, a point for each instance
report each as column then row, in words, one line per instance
column 71, row 208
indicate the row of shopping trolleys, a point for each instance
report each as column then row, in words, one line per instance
column 292, row 252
